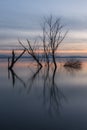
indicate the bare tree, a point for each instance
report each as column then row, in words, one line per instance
column 31, row 51
column 52, row 36
column 14, row 59
column 45, row 45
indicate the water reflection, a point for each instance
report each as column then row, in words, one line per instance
column 15, row 77
column 72, row 66
column 50, row 98
column 72, row 71
column 53, row 98
column 31, row 80
column 52, row 95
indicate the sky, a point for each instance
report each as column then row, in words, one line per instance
column 21, row 19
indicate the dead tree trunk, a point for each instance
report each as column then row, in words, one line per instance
column 31, row 52
column 53, row 35
column 14, row 59
column 54, row 59
column 45, row 46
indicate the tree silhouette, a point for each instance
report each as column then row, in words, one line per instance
column 52, row 36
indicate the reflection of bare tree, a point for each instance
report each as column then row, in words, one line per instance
column 72, row 71
column 14, row 77
column 53, row 97
column 32, row 79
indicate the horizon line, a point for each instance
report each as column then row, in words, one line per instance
column 7, row 51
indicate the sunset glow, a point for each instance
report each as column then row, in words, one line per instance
column 41, row 52
column 23, row 21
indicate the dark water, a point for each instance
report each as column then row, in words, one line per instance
column 33, row 98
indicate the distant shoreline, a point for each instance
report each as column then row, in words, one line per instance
column 26, row 57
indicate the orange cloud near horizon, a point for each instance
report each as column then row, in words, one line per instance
column 41, row 51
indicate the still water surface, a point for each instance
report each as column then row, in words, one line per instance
column 33, row 98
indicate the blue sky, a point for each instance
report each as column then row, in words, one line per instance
column 19, row 17
column 21, row 12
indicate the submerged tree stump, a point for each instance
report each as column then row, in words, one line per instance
column 73, row 63
column 14, row 59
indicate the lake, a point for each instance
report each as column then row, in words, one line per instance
column 33, row 98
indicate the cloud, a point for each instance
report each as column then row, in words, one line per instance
column 76, row 23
